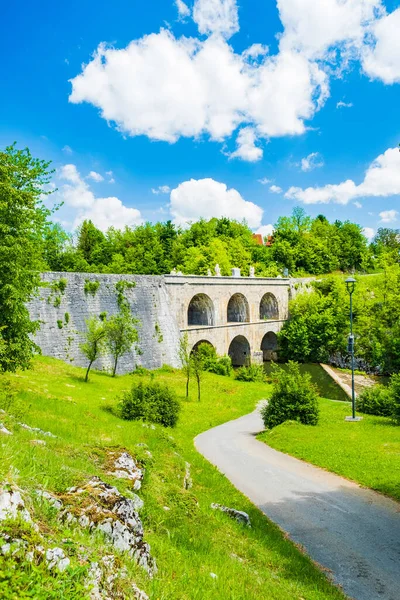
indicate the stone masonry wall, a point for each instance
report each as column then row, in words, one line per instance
column 63, row 315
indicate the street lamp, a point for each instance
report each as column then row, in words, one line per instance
column 350, row 285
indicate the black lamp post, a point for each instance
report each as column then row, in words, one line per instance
column 351, row 284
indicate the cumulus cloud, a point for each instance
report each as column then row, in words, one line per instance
column 246, row 146
column 314, row 28
column 382, row 179
column 76, row 194
column 388, row 216
column 369, row 233
column 95, row 176
column 183, row 9
column 167, row 88
column 275, row 189
column 216, row 16
column 207, row 198
column 342, row 104
column 357, row 204
column 382, row 59
column 264, row 180
column 311, row 162
column 161, row 189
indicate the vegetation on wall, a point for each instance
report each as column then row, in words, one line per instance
column 91, row 287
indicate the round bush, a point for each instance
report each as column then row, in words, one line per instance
column 150, row 401
column 376, row 400
column 220, row 365
column 251, row 373
column 294, row 398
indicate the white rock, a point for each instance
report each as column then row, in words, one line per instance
column 239, row 515
column 213, row 575
column 52, row 500
column 12, row 506
column 4, row 430
column 138, row 593
column 56, row 559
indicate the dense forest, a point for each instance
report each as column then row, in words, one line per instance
column 300, row 245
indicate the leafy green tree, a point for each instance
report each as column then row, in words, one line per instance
column 94, row 345
column 197, row 362
column 121, row 334
column 23, row 223
column 89, row 240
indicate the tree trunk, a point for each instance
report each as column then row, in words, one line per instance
column 87, row 372
column 115, row 366
column 198, row 387
column 187, row 386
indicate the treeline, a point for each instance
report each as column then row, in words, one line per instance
column 300, row 245
column 319, row 323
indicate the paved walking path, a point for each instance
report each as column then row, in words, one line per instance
column 352, row 531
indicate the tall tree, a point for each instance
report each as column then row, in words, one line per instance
column 93, row 345
column 184, row 357
column 23, row 219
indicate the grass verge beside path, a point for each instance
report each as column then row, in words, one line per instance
column 367, row 452
column 189, row 540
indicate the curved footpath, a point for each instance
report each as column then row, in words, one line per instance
column 352, row 531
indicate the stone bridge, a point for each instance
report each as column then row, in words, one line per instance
column 239, row 316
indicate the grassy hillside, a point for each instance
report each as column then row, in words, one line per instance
column 189, row 540
column 367, row 452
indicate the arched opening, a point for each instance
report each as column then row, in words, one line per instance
column 202, row 342
column 239, row 351
column 201, row 310
column 269, row 346
column 238, row 309
column 269, row 308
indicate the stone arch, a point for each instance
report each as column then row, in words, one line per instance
column 197, row 344
column 239, row 351
column 269, row 308
column 201, row 311
column 269, row 346
column 238, row 309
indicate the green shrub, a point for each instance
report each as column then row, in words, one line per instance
column 394, row 388
column 59, row 324
column 150, row 401
column 91, row 287
column 294, row 398
column 376, row 400
column 211, row 362
column 251, row 373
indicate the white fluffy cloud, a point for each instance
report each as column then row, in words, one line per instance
column 382, row 179
column 216, row 16
column 342, row 104
column 183, row 9
column 388, row 216
column 246, row 146
column 76, row 194
column 275, row 189
column 382, row 59
column 207, row 198
column 311, row 162
column 264, row 181
column 314, row 28
column 369, row 233
column 95, row 176
column 167, row 88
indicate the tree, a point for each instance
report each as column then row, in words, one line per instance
column 184, row 357
column 89, row 240
column 121, row 334
column 23, row 220
column 197, row 361
column 93, row 346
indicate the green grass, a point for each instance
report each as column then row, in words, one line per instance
column 190, row 540
column 367, row 452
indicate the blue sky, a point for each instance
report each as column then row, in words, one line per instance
column 166, row 96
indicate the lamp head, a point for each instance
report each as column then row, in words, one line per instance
column 350, row 284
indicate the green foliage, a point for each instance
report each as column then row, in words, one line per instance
column 66, row 318
column 220, row 365
column 91, row 287
column 158, row 333
column 251, row 373
column 293, row 398
column 394, row 388
column 94, row 342
column 197, row 362
column 376, row 400
column 152, row 402
column 60, row 324
column 23, row 221
column 184, row 357
column 121, row 334
column 121, row 287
